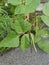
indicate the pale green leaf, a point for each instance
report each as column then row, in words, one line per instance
column 6, row 23
column 44, row 45
column 46, row 9
column 43, row 33
column 21, row 25
column 25, row 42
column 12, row 40
column 0, row 9
column 14, row 2
column 29, row 7
column 45, row 19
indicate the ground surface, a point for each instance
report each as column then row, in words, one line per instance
column 44, row 0
column 18, row 57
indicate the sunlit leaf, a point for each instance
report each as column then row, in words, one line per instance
column 46, row 9
column 44, row 45
column 28, row 7
column 14, row 2
column 25, row 42
column 45, row 19
column 20, row 25
column 43, row 33
column 12, row 40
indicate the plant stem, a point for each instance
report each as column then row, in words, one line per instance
column 33, row 41
column 37, row 27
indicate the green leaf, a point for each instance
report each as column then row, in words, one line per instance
column 0, row 9
column 45, row 19
column 1, row 31
column 44, row 45
column 46, row 9
column 12, row 40
column 25, row 42
column 29, row 7
column 6, row 23
column 1, row 28
column 43, row 33
column 20, row 25
column 37, row 37
column 14, row 2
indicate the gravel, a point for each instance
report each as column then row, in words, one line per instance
column 19, row 57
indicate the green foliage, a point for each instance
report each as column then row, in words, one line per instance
column 25, row 42
column 44, row 45
column 45, row 19
column 14, row 2
column 20, row 25
column 17, row 29
column 27, row 7
column 46, row 9
column 12, row 40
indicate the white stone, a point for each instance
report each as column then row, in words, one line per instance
column 40, row 7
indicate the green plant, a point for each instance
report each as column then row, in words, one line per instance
column 16, row 27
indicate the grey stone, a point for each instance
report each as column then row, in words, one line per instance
column 44, row 0
column 18, row 57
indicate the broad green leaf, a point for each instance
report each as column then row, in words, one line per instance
column 14, row 2
column 12, row 40
column 44, row 45
column 28, row 1
column 45, row 19
column 5, row 23
column 37, row 37
column 46, row 9
column 25, row 42
column 43, row 33
column 20, row 25
column 0, row 9
column 28, row 7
